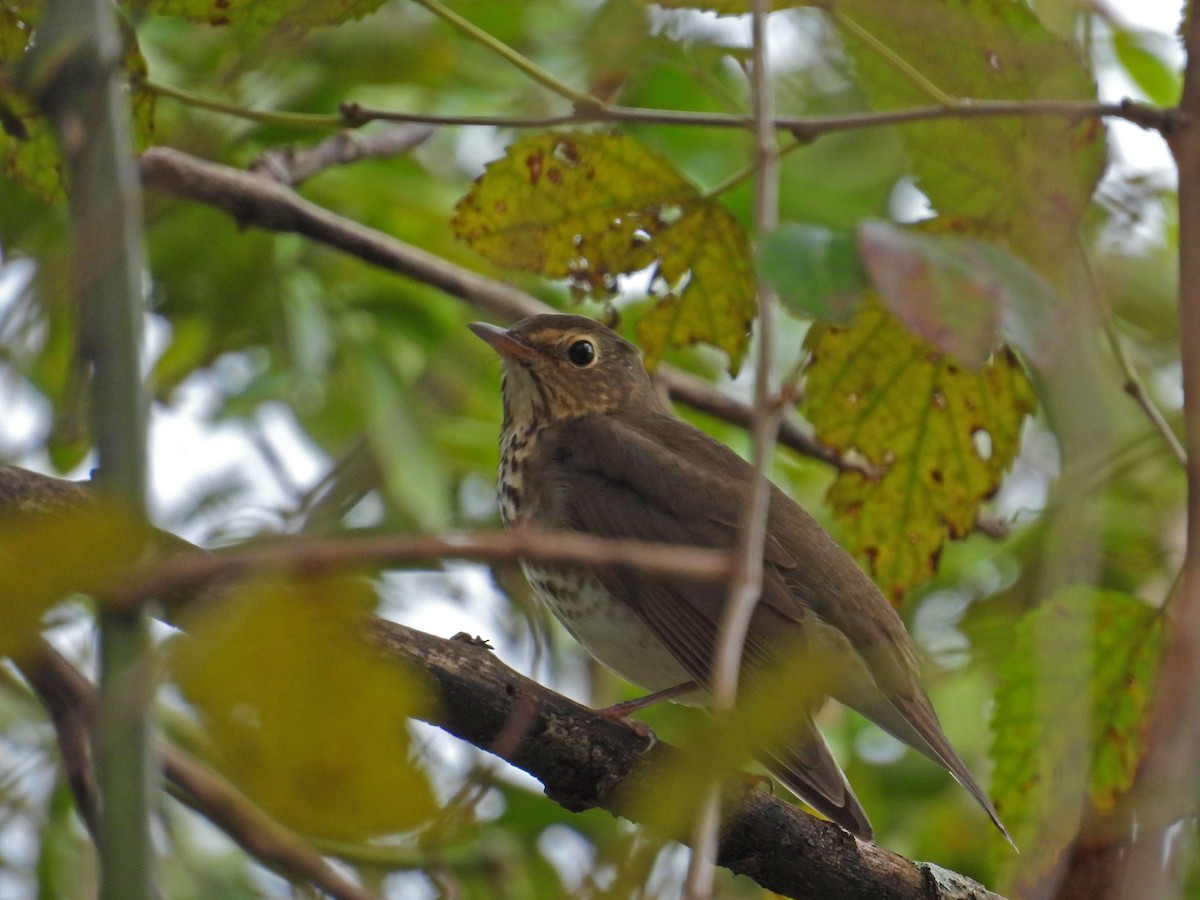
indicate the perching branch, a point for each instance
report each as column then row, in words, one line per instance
column 585, row 759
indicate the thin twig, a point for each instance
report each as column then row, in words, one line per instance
column 745, row 585
column 902, row 66
column 1165, row 785
column 185, row 574
column 805, row 128
column 1133, row 384
column 323, row 121
column 293, row 166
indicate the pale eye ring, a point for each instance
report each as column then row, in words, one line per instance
column 581, row 353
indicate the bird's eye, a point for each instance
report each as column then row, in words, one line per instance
column 581, row 354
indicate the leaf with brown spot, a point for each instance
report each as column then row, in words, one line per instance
column 591, row 207
column 918, row 415
column 260, row 15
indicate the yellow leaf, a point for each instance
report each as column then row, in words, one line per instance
column 45, row 557
column 305, row 715
column 590, row 207
column 942, row 434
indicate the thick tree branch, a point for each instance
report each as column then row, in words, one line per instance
column 586, row 760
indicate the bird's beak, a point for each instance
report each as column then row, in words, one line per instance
column 503, row 342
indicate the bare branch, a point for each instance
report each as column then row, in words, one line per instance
column 293, row 165
column 1165, row 788
column 253, row 200
column 586, row 760
column 588, row 110
column 187, row 573
column 70, row 700
column 805, row 128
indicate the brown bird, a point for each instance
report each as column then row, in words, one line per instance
column 586, row 445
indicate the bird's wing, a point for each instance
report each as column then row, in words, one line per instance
column 665, row 481
column 610, row 485
column 608, row 479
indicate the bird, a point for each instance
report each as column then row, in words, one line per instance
column 587, row 445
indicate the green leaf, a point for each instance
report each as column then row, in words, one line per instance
column 941, row 435
column 1070, row 714
column 259, row 15
column 590, row 207
column 1024, row 180
column 961, row 295
column 28, row 152
column 28, row 147
column 725, row 7
column 412, row 471
column 1160, row 82
column 301, row 713
column 816, row 271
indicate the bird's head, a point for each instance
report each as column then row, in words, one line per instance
column 560, row 367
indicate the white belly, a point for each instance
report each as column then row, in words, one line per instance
column 608, row 630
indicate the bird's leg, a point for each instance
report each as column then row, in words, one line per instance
column 624, row 710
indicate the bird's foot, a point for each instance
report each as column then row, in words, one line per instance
column 622, row 711
column 626, row 709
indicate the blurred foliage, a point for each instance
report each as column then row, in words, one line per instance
column 382, row 379
column 257, row 669
column 1084, row 656
column 38, row 568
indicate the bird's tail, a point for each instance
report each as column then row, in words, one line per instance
column 807, row 767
